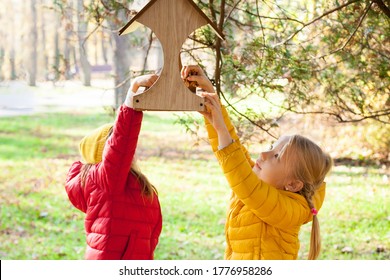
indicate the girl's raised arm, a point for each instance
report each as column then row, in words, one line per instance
column 120, row 148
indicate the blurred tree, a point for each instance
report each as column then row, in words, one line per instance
column 57, row 52
column 82, row 33
column 116, row 16
column 68, row 46
column 32, row 41
column 43, row 57
column 104, row 46
column 3, row 39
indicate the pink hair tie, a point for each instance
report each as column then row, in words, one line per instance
column 314, row 211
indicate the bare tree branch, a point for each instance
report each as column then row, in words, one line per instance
column 356, row 29
column 316, row 19
column 148, row 50
column 383, row 7
column 286, row 18
column 260, row 22
column 340, row 118
column 218, row 48
column 232, row 9
column 266, row 130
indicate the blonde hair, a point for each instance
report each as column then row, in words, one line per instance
column 311, row 165
column 147, row 188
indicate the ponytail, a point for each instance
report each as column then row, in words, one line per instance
column 315, row 236
column 315, row 239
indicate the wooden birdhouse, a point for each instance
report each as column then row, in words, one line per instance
column 172, row 21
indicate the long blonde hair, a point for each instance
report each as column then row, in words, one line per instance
column 147, row 189
column 310, row 165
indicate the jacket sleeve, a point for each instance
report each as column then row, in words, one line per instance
column 74, row 189
column 213, row 136
column 119, row 150
column 279, row 208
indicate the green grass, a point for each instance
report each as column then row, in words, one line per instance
column 38, row 222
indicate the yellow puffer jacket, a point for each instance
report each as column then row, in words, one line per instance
column 262, row 221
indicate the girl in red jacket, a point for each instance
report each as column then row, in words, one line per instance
column 122, row 212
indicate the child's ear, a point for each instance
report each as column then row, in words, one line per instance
column 294, row 186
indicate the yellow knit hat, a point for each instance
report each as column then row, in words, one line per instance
column 91, row 146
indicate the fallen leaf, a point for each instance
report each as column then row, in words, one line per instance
column 347, row 250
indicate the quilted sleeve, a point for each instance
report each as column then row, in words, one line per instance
column 213, row 136
column 74, row 189
column 119, row 150
column 279, row 208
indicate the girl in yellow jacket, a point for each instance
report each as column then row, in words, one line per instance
column 271, row 197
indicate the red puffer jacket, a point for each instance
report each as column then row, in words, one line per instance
column 120, row 223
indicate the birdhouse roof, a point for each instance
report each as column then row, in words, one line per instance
column 147, row 6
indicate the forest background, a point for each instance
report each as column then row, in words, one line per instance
column 318, row 68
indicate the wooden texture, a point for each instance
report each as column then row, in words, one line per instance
column 172, row 21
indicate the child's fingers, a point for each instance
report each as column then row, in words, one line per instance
column 153, row 79
column 149, row 80
column 183, row 72
column 206, row 94
column 205, row 114
column 207, row 107
column 211, row 107
column 208, row 112
column 189, row 68
column 210, row 100
column 201, row 80
column 186, row 70
column 212, row 96
column 197, row 79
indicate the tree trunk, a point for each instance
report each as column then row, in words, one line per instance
column 68, row 39
column 43, row 56
column 56, row 51
column 121, row 61
column 2, row 46
column 10, row 42
column 13, row 75
column 85, row 66
column 121, row 68
column 1, row 62
column 104, row 46
column 95, row 48
column 32, row 40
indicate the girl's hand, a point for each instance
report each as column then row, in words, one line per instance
column 193, row 73
column 142, row 81
column 213, row 111
column 214, row 115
